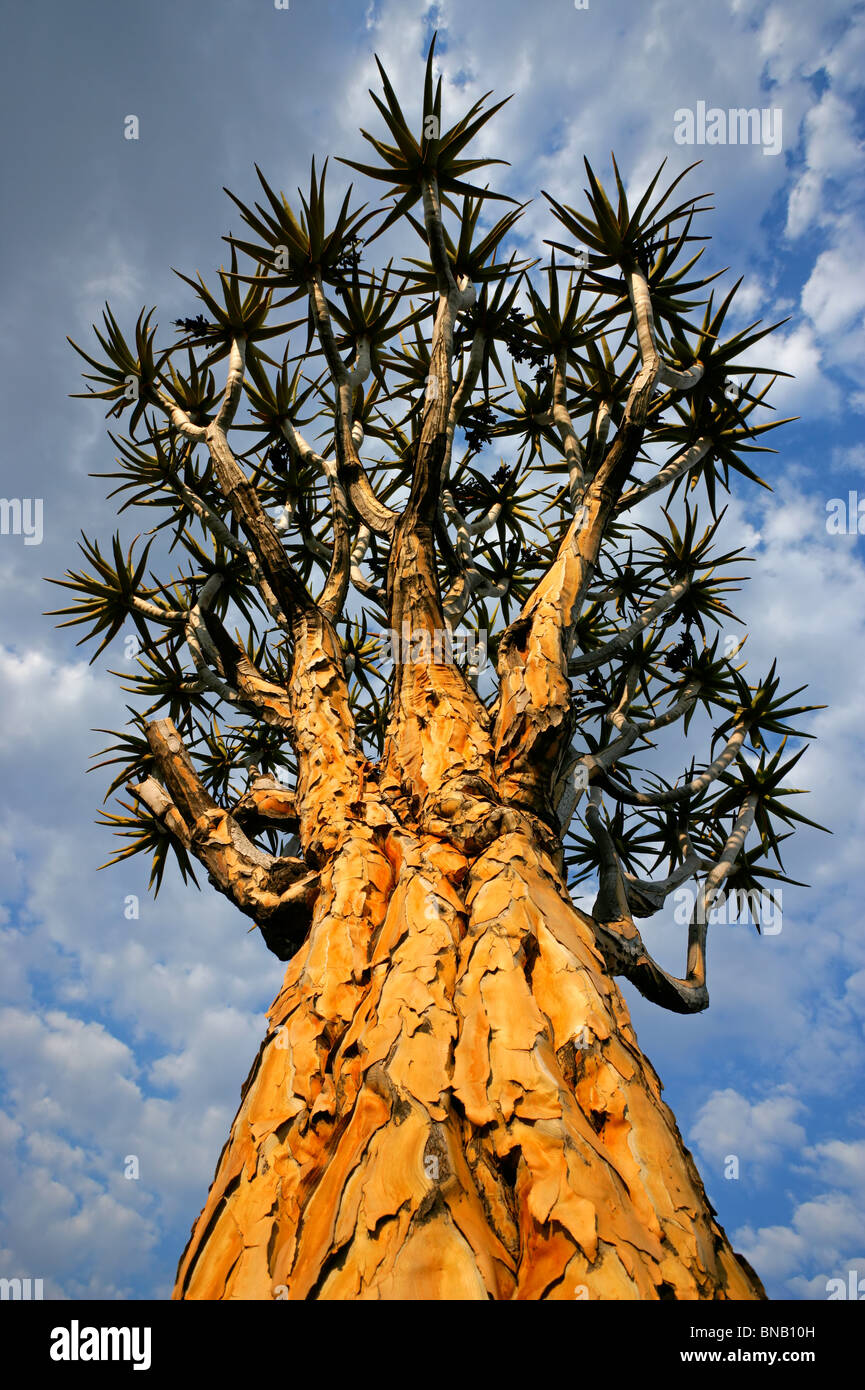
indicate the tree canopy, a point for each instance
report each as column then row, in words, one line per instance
column 603, row 364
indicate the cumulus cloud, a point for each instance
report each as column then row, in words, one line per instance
column 833, row 297
column 826, row 1233
column 756, row 1132
column 832, row 152
column 807, row 388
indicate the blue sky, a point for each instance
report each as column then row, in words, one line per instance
column 132, row 1036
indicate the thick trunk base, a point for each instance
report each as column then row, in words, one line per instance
column 451, row 1104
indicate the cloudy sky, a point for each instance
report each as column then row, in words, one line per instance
column 124, row 1035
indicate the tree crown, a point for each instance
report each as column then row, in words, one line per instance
column 604, row 376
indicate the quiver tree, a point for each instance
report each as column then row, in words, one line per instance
column 401, row 700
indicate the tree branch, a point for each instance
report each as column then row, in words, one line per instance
column 601, row 654
column 353, row 475
column 682, row 463
column 687, row 789
column 620, row 941
column 571, row 446
column 278, row 893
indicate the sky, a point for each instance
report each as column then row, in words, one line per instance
column 127, row 1026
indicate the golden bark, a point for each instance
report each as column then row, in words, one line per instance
column 450, row 1102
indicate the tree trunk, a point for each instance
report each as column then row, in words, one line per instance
column 451, row 1103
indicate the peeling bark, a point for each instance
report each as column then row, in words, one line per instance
column 450, row 1102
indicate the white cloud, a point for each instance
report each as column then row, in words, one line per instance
column 807, row 390
column 757, row 1132
column 76, row 1109
column 834, row 293
column 826, row 1233
column 804, row 203
column 42, row 695
column 848, row 457
column 845, row 63
column 774, row 1251
column 750, row 298
column 785, row 43
column 838, row 1161
column 832, row 146
column 832, row 151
